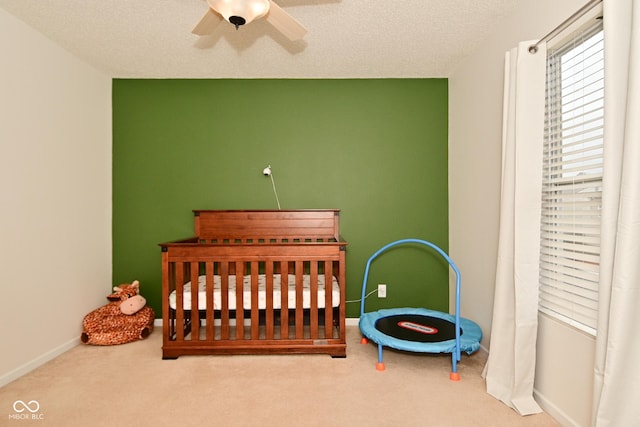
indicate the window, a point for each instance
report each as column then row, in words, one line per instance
column 572, row 180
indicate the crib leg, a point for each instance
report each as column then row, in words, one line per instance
column 380, row 364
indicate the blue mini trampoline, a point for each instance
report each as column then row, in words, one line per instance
column 419, row 329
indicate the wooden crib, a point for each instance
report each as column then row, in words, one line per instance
column 291, row 264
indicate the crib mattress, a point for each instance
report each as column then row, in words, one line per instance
column 262, row 294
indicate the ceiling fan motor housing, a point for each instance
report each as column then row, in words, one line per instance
column 237, row 20
column 240, row 12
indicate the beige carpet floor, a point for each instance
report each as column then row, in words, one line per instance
column 130, row 385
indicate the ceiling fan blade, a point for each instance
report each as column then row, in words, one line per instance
column 285, row 23
column 207, row 23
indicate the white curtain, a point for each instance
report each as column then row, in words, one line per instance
column 617, row 370
column 510, row 369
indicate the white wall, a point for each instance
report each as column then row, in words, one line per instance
column 565, row 355
column 55, row 187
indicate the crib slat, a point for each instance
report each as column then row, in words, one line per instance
column 284, row 300
column 269, row 318
column 209, row 267
column 240, row 272
column 224, row 300
column 313, row 310
column 328, row 299
column 195, row 313
column 299, row 302
column 255, row 313
column 179, row 301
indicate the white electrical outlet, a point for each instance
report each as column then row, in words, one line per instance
column 382, row 290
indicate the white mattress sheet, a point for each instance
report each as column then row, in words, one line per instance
column 262, row 295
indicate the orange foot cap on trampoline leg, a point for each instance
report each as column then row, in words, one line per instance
column 363, row 340
column 379, row 366
column 454, row 376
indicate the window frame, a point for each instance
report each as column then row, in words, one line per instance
column 569, row 258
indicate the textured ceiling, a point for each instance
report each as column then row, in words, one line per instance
column 346, row 38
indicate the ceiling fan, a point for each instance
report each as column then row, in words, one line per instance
column 242, row 12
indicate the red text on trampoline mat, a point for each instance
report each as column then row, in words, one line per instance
column 423, row 329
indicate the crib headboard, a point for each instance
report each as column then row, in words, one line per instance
column 267, row 224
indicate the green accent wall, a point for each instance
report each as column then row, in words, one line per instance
column 376, row 149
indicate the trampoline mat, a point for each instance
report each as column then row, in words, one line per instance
column 469, row 342
column 416, row 327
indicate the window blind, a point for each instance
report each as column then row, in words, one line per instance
column 572, row 180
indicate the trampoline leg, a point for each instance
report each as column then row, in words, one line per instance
column 380, row 364
column 454, row 375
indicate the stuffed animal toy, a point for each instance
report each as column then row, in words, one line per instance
column 129, row 296
column 124, row 319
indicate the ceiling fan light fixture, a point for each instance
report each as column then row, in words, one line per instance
column 240, row 12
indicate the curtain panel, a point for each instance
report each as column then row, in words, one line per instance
column 510, row 368
column 617, row 371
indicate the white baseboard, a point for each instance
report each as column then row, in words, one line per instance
column 484, row 349
column 560, row 416
column 37, row 362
